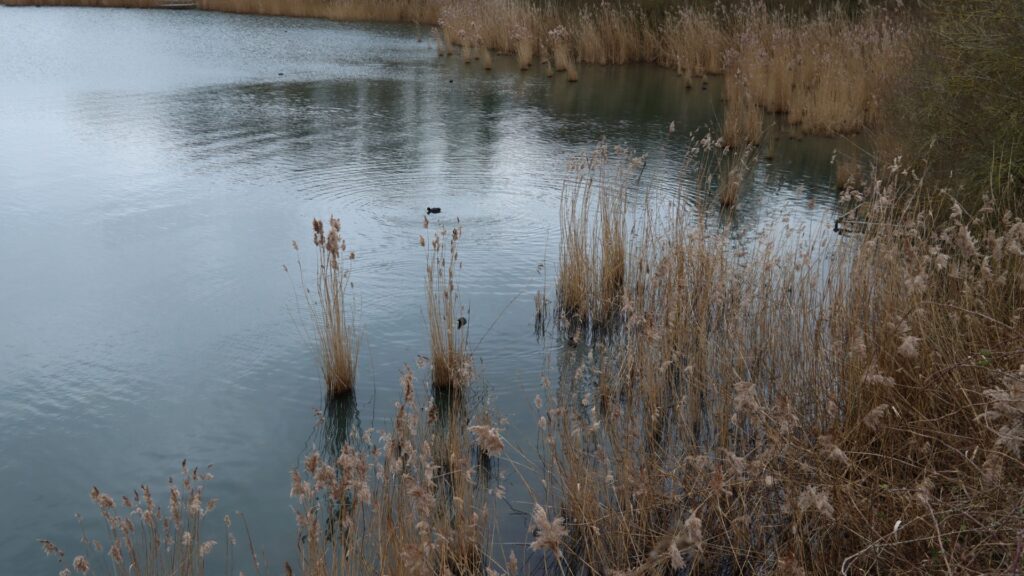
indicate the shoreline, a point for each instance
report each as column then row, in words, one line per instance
column 822, row 73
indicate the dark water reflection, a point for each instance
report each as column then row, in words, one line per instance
column 154, row 169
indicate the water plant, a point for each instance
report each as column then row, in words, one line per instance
column 333, row 327
column 451, row 363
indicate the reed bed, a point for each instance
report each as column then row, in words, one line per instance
column 451, row 362
column 842, row 407
column 823, row 72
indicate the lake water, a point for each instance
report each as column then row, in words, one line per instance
column 156, row 166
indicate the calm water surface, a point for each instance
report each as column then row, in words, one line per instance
column 154, row 169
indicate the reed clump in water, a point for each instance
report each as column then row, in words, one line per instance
column 737, row 168
column 334, row 330
column 559, row 39
column 594, row 235
column 451, row 363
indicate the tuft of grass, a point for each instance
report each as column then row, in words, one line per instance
column 451, row 364
column 334, row 330
column 594, row 235
column 333, row 327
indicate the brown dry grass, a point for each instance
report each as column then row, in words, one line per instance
column 449, row 337
column 333, row 328
column 594, row 235
column 855, row 407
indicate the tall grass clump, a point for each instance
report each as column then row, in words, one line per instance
column 451, row 362
column 334, row 328
column 594, row 234
column 326, row 301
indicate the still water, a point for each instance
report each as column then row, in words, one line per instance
column 154, row 170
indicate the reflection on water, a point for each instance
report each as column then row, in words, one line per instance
column 339, row 424
column 154, row 169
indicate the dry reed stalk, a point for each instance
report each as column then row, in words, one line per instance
column 449, row 338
